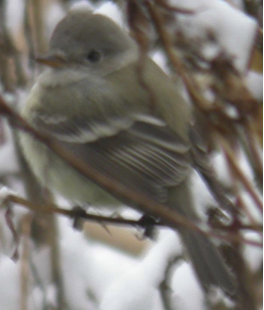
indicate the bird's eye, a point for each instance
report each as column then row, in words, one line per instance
column 93, row 56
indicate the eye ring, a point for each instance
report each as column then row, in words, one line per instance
column 93, row 56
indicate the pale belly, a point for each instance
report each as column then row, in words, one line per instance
column 64, row 179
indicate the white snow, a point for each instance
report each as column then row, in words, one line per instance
column 234, row 31
column 4, row 193
column 255, row 84
column 187, row 291
column 15, row 12
column 53, row 15
column 9, row 284
column 8, row 159
column 82, row 5
column 252, row 254
column 138, row 288
column 111, row 10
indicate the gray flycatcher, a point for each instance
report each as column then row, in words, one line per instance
column 91, row 100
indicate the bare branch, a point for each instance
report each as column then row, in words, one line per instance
column 75, row 214
column 164, row 287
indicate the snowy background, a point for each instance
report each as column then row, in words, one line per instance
column 96, row 269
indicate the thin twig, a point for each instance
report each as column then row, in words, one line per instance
column 164, row 287
column 29, row 36
column 24, row 270
column 257, row 161
column 51, row 208
column 191, row 86
column 74, row 213
column 9, row 52
column 240, row 174
column 137, row 20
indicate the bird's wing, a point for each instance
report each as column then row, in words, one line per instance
column 140, row 151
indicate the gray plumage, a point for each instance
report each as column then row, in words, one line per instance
column 92, row 101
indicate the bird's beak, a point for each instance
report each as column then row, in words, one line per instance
column 55, row 61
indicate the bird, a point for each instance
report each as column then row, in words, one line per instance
column 91, row 100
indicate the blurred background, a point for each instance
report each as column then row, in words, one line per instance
column 213, row 51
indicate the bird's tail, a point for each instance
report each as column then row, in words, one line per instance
column 207, row 262
column 205, row 257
